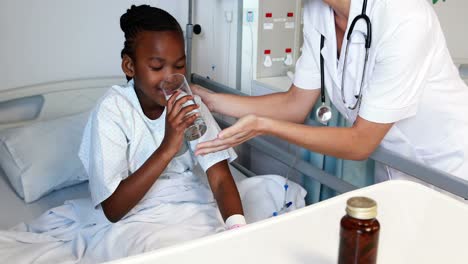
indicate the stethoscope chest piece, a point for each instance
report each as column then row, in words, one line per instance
column 323, row 114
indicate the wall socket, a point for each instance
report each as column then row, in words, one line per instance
column 249, row 15
column 228, row 16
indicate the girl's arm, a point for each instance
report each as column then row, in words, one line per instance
column 224, row 189
column 131, row 190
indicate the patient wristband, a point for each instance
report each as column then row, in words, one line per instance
column 235, row 221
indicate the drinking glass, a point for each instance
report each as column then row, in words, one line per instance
column 177, row 82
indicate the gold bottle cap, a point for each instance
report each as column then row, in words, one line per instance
column 361, row 208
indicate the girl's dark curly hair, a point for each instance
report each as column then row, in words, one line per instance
column 144, row 18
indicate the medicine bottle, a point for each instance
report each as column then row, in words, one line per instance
column 359, row 234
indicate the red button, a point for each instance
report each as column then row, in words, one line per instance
column 267, row 52
column 288, row 50
column 268, row 15
column 290, row 14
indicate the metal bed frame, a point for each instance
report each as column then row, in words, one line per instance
column 416, row 169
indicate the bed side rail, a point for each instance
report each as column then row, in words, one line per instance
column 273, row 151
column 438, row 178
column 416, row 169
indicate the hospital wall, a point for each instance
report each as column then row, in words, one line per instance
column 453, row 16
column 52, row 40
column 215, row 49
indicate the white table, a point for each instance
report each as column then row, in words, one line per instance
column 418, row 225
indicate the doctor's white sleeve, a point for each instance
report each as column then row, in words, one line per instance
column 212, row 130
column 103, row 154
column 307, row 75
column 402, row 65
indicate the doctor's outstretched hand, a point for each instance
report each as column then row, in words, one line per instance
column 244, row 129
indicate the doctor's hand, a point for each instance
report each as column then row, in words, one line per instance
column 244, row 129
column 205, row 95
column 178, row 119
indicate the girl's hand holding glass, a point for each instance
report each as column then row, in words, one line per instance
column 179, row 117
column 176, row 84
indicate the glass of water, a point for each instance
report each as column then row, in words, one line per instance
column 177, row 82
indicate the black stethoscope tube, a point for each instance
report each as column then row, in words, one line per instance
column 350, row 31
column 322, row 71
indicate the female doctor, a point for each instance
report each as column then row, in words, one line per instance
column 385, row 66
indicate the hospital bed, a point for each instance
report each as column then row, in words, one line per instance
column 24, row 109
column 29, row 105
column 307, row 234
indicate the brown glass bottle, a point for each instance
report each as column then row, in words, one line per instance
column 359, row 234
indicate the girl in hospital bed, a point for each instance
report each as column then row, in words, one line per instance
column 133, row 147
column 147, row 190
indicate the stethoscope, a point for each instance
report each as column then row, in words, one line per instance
column 324, row 113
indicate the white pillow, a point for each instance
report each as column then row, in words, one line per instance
column 43, row 156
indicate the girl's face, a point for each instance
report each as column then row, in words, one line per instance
column 157, row 54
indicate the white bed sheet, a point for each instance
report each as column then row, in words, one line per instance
column 65, row 233
column 15, row 210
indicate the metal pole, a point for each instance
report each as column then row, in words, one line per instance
column 188, row 38
column 438, row 178
column 240, row 10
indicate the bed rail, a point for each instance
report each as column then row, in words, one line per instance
column 273, row 151
column 416, row 169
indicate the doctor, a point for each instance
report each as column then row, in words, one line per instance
column 405, row 94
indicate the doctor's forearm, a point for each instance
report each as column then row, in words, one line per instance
column 340, row 142
column 239, row 106
column 293, row 105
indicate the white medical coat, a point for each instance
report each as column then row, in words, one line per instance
column 411, row 79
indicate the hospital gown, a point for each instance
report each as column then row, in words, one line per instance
column 179, row 206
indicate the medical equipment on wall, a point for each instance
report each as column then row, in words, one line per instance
column 271, row 40
column 324, row 113
column 278, row 37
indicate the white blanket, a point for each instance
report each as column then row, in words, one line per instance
column 76, row 232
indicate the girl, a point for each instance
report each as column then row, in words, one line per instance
column 133, row 146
